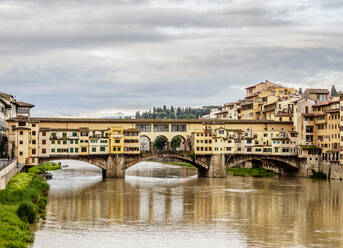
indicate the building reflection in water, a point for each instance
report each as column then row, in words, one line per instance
column 272, row 211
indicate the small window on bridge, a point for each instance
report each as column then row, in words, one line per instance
column 179, row 128
column 144, row 127
column 161, row 128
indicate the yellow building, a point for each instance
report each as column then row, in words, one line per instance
column 116, row 137
column 132, row 141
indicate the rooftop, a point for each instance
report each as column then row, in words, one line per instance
column 24, row 104
column 317, row 91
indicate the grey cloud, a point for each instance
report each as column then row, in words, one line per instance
column 88, row 56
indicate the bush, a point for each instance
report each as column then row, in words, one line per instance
column 26, row 212
column 49, row 166
column 176, row 142
column 21, row 203
column 318, row 175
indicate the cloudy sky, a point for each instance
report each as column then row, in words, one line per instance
column 106, row 57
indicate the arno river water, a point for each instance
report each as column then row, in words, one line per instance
column 158, row 205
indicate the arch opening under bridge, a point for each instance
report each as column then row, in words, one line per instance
column 284, row 165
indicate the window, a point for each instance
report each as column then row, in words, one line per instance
column 221, row 131
column 144, row 127
column 21, row 142
column 59, row 150
column 161, row 128
column 21, row 133
column 22, row 124
column 74, row 134
column 102, row 148
column 94, row 149
column 43, row 133
column 309, row 129
column 71, row 150
column 20, row 153
column 33, row 160
column 83, row 149
column 117, row 141
column 114, row 149
column 64, row 135
column 22, row 110
column 84, row 134
column 64, row 142
column 118, row 149
column 179, row 128
column 33, row 142
column 76, row 150
column 76, row 142
column 71, row 141
column 52, row 149
column 44, row 142
column 53, row 134
column 58, row 142
column 44, row 151
column 33, row 133
column 52, row 142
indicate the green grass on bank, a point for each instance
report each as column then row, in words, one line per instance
column 49, row 166
column 253, row 172
column 22, row 202
column 178, row 163
column 183, row 164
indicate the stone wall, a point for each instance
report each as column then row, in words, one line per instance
column 7, row 173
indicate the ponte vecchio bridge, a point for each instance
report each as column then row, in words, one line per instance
column 116, row 144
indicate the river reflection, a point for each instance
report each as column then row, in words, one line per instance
column 158, row 205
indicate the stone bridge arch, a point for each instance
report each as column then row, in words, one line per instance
column 285, row 164
column 116, row 165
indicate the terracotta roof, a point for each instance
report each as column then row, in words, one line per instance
column 231, row 103
column 317, row 91
column 253, row 86
column 221, row 112
column 322, row 104
column 24, row 104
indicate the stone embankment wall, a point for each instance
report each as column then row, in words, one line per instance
column 7, row 173
column 333, row 169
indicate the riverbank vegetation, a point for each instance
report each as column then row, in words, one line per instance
column 318, row 175
column 183, row 164
column 253, row 172
column 49, row 166
column 22, row 202
column 176, row 163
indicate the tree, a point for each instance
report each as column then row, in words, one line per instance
column 160, row 142
column 175, row 142
column 300, row 91
column 138, row 115
column 334, row 91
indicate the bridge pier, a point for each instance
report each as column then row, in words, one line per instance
column 115, row 166
column 216, row 168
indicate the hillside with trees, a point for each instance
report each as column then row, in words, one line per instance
column 173, row 113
